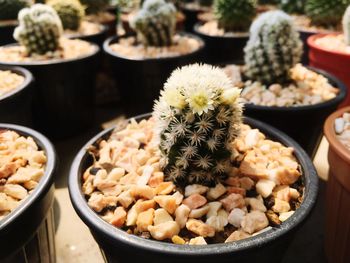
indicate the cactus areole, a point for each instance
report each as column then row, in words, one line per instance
column 198, row 115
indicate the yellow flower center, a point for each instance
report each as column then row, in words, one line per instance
column 200, row 100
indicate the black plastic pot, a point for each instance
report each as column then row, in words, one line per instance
column 97, row 38
column 63, row 96
column 27, row 234
column 304, row 35
column 6, row 31
column 140, row 80
column 222, row 49
column 268, row 247
column 302, row 123
column 15, row 106
column 191, row 15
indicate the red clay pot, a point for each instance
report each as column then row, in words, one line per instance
column 337, row 241
column 336, row 63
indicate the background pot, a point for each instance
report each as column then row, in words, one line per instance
column 304, row 35
column 140, row 80
column 97, row 38
column 15, row 106
column 6, row 31
column 269, row 246
column 338, row 195
column 63, row 95
column 191, row 13
column 333, row 62
column 27, row 234
column 222, row 49
column 302, row 123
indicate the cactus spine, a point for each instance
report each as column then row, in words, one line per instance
column 71, row 12
column 346, row 26
column 235, row 15
column 9, row 8
column 94, row 6
column 155, row 23
column 39, row 29
column 273, row 48
column 293, row 6
column 197, row 116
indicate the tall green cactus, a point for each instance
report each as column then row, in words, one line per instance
column 197, row 116
column 346, row 25
column 326, row 12
column 155, row 23
column 293, row 6
column 71, row 12
column 39, row 29
column 274, row 47
column 235, row 15
column 95, row 6
column 9, row 8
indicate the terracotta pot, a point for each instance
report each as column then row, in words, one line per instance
column 333, row 62
column 337, row 241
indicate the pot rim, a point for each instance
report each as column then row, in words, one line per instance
column 51, row 61
column 45, row 182
column 331, row 136
column 319, row 106
column 311, row 43
column 113, row 39
column 115, row 235
column 103, row 30
column 201, row 34
column 28, row 80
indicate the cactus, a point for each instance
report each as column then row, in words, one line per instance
column 155, row 23
column 346, row 26
column 71, row 12
column 197, row 117
column 9, row 8
column 235, row 15
column 273, row 48
column 293, row 6
column 326, row 12
column 39, row 29
column 95, row 6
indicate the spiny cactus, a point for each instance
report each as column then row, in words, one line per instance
column 9, row 8
column 273, row 48
column 155, row 23
column 94, row 6
column 293, row 6
column 39, row 29
column 235, row 15
column 197, row 117
column 346, row 26
column 326, row 12
column 71, row 12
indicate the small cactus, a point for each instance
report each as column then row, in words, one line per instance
column 71, row 12
column 273, row 48
column 235, row 15
column 155, row 23
column 326, row 12
column 197, row 117
column 292, row 6
column 95, row 6
column 39, row 29
column 9, row 8
column 346, row 26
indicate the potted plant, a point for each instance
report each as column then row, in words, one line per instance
column 8, row 18
column 226, row 36
column 336, row 130
column 197, row 163
column 64, row 70
column 192, row 9
column 142, row 63
column 26, row 196
column 278, row 90
column 331, row 52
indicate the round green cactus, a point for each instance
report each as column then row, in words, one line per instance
column 235, row 15
column 273, row 48
column 155, row 23
column 39, row 29
column 9, row 8
column 346, row 26
column 71, row 12
column 198, row 115
column 326, row 12
column 293, row 6
column 95, row 6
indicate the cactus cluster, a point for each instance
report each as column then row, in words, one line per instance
column 9, row 8
column 94, row 6
column 197, row 117
column 326, row 12
column 346, row 25
column 155, row 23
column 39, row 29
column 293, row 6
column 71, row 12
column 273, row 48
column 235, row 15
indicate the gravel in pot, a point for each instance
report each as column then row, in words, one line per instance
column 193, row 182
column 15, row 95
column 64, row 70
column 26, row 196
